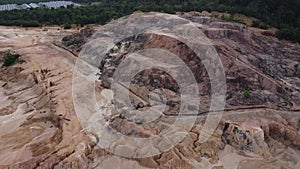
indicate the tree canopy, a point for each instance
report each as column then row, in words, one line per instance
column 281, row 14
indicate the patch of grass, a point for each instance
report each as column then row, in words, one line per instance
column 215, row 15
column 69, row 43
column 231, row 18
column 11, row 58
column 246, row 93
column 287, row 101
column 72, row 42
column 226, row 17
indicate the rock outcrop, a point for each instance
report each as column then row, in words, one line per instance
column 75, row 41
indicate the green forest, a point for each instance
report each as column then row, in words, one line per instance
column 36, row 1
column 283, row 15
column 20, row 1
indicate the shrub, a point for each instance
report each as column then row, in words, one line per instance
column 215, row 15
column 69, row 43
column 289, row 33
column 246, row 93
column 259, row 24
column 255, row 23
column 263, row 26
column 225, row 17
column 67, row 26
column 287, row 101
column 10, row 59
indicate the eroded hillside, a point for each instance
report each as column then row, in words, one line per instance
column 259, row 128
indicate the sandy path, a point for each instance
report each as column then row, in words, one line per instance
column 36, row 47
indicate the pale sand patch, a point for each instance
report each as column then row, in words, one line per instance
column 3, row 99
column 230, row 158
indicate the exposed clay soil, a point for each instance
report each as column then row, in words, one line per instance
column 39, row 127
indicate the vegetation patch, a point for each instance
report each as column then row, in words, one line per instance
column 67, row 26
column 231, row 18
column 10, row 58
column 259, row 24
column 246, row 93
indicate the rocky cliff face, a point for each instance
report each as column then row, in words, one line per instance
column 74, row 42
column 259, row 127
column 254, row 62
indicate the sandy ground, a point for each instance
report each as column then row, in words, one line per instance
column 35, row 45
column 32, row 136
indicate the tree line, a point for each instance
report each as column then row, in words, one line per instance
column 22, row 1
column 281, row 14
column 37, row 1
